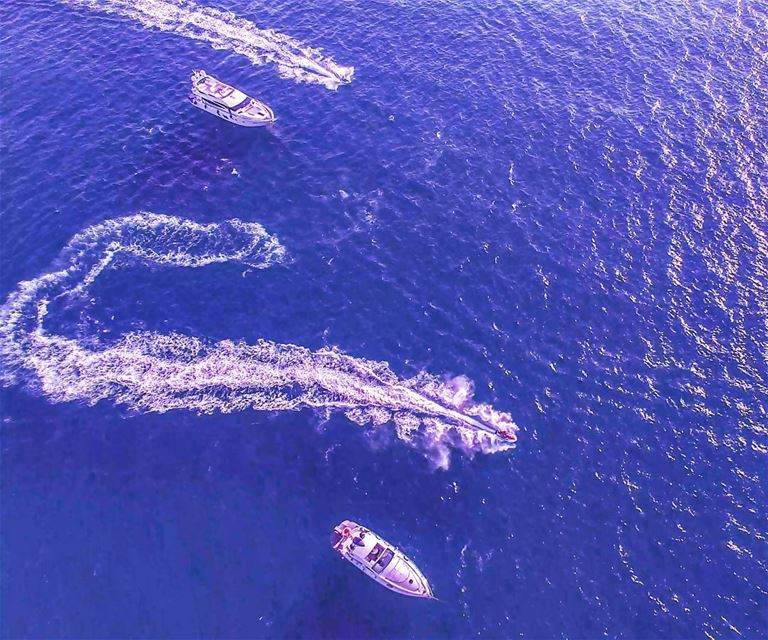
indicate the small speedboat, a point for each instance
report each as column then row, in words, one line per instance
column 213, row 96
column 379, row 560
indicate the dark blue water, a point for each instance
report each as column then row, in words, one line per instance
column 563, row 202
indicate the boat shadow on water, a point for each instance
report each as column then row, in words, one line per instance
column 338, row 602
column 197, row 151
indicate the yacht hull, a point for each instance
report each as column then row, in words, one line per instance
column 379, row 560
column 226, row 114
column 228, row 103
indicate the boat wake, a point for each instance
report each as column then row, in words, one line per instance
column 225, row 30
column 149, row 371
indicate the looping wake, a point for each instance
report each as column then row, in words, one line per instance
column 224, row 30
column 149, row 371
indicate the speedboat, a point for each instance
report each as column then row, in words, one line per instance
column 380, row 560
column 228, row 103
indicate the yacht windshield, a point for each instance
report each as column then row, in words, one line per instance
column 373, row 556
column 382, row 563
column 241, row 105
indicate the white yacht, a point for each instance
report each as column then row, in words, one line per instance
column 213, row 96
column 379, row 560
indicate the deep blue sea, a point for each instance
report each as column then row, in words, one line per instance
column 219, row 342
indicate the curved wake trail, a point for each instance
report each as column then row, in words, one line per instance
column 225, row 30
column 149, row 371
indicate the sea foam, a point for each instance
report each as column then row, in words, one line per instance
column 225, row 30
column 155, row 372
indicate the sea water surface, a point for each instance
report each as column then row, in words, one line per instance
column 217, row 343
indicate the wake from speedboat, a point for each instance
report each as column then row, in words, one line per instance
column 150, row 371
column 225, row 30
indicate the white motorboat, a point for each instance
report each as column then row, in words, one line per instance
column 228, row 103
column 379, row 560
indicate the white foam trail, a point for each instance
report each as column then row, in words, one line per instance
column 225, row 30
column 149, row 371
